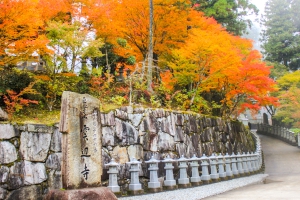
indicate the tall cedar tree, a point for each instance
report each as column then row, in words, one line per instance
column 281, row 37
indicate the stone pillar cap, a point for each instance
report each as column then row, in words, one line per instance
column 220, row 156
column 239, row 155
column 168, row 159
column 253, row 154
column 204, row 157
column 227, row 156
column 194, row 158
column 182, row 159
column 233, row 155
column 213, row 157
column 152, row 160
column 133, row 161
column 112, row 163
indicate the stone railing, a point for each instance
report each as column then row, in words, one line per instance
column 190, row 172
column 214, row 168
column 184, row 172
column 278, row 132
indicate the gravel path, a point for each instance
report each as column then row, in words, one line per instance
column 201, row 192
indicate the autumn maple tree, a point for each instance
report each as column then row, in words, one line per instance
column 289, row 109
column 16, row 101
column 220, row 72
column 198, row 65
column 19, row 31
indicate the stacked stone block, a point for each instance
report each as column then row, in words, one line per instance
column 30, row 159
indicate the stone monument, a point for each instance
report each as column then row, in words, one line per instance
column 81, row 149
column 81, row 141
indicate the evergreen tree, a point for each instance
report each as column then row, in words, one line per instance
column 230, row 13
column 281, row 35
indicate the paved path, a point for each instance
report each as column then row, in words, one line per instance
column 282, row 163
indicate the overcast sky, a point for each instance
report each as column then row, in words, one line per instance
column 260, row 4
column 254, row 34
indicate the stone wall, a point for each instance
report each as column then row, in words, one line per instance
column 30, row 158
column 30, row 155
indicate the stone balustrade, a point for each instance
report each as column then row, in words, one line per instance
column 211, row 170
column 279, row 132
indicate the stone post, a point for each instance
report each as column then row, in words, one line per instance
column 288, row 136
column 169, row 183
column 229, row 173
column 240, row 164
column 285, row 133
column 135, row 186
column 257, row 161
column 253, row 164
column 195, row 178
column 235, row 170
column 214, row 175
column 183, row 181
column 293, row 138
column 205, row 175
column 113, row 179
column 153, row 185
column 222, row 173
column 245, row 165
column 249, row 163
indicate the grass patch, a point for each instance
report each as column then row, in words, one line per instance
column 36, row 116
column 108, row 107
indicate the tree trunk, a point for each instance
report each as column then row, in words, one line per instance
column 150, row 53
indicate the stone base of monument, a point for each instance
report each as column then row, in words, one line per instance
column 102, row 193
column 135, row 192
column 154, row 190
column 187, row 185
column 171, row 187
column 230, row 177
column 196, row 183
